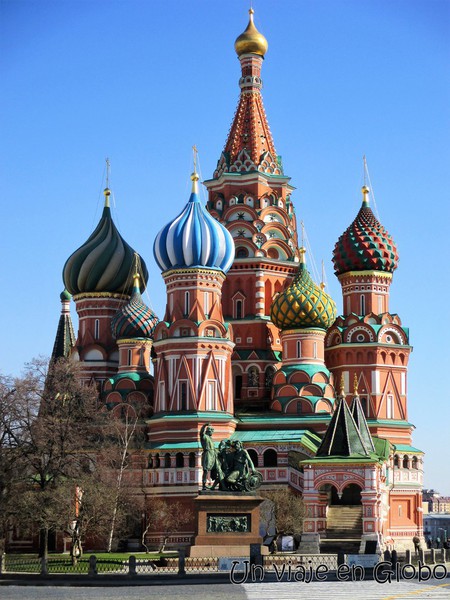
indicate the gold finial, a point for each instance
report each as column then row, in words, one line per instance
column 194, row 176
column 365, row 191
column 107, row 191
column 302, row 252
column 355, row 385
column 251, row 41
column 136, row 274
column 342, row 386
column 322, row 283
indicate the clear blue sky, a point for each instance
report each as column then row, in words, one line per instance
column 142, row 81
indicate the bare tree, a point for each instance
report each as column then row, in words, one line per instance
column 282, row 512
column 122, row 440
column 48, row 427
column 166, row 516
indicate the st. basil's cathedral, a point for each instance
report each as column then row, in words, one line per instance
column 252, row 345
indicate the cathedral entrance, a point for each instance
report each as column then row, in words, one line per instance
column 344, row 519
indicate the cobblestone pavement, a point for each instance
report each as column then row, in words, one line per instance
column 357, row 590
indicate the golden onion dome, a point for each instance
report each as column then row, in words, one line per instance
column 303, row 304
column 251, row 41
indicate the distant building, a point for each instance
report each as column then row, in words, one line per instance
column 436, row 502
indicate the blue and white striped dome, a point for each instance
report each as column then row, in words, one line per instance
column 194, row 239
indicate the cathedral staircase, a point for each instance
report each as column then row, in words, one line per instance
column 344, row 529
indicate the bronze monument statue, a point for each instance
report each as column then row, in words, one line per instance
column 230, row 466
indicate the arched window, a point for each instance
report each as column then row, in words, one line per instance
column 241, row 253
column 191, row 460
column 157, row 462
column 415, row 462
column 254, row 456
column 396, row 462
column 179, row 460
column 167, row 460
column 150, row 462
column 238, row 309
column 405, row 462
column 270, row 458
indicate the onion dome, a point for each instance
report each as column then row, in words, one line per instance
column 251, row 41
column 365, row 245
column 104, row 263
column 194, row 239
column 65, row 296
column 135, row 319
column 303, row 304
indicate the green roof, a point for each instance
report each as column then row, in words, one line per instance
column 393, row 422
column 186, row 414
column 310, row 369
column 406, row 448
column 173, row 445
column 133, row 376
column 295, row 436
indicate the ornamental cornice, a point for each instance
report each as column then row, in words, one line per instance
column 140, row 341
column 86, row 295
column 360, row 274
column 194, row 271
column 309, row 331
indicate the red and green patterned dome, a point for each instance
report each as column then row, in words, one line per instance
column 303, row 304
column 135, row 319
column 365, row 245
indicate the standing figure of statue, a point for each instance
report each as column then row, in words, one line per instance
column 210, row 463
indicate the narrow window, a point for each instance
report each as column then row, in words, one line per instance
column 362, row 305
column 238, row 387
column 162, row 395
column 206, row 302
column 186, row 303
column 390, row 406
column 97, row 329
column 315, row 350
column 238, row 309
column 210, row 395
column 299, row 349
column 183, row 395
column 130, row 357
column 380, row 304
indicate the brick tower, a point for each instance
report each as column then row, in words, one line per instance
column 193, row 344
column 251, row 196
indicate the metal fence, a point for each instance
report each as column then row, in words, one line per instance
column 306, row 560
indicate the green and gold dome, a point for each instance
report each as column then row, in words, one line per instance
column 303, row 304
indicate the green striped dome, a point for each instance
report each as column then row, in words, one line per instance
column 303, row 304
column 104, row 263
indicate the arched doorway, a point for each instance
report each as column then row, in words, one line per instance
column 343, row 512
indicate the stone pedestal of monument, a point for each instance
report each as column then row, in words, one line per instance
column 227, row 523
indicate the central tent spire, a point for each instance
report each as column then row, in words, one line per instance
column 250, row 145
